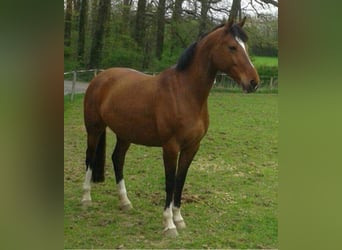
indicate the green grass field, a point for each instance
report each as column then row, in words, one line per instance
column 231, row 193
column 259, row 61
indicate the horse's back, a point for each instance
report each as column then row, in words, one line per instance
column 113, row 80
column 114, row 76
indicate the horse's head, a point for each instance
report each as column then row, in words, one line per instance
column 230, row 55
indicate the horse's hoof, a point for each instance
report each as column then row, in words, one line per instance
column 171, row 232
column 180, row 224
column 126, row 207
column 86, row 204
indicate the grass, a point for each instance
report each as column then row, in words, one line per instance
column 259, row 61
column 230, row 195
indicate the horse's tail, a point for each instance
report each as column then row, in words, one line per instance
column 99, row 161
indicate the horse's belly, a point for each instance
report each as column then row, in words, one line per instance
column 136, row 131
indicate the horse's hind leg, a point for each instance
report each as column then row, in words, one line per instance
column 118, row 158
column 94, row 161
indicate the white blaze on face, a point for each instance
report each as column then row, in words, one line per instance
column 242, row 44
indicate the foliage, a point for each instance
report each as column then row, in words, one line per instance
column 266, row 66
column 121, row 51
column 230, row 198
column 263, row 34
column 69, row 64
column 127, row 46
column 268, row 71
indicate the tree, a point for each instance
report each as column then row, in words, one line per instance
column 273, row 2
column 160, row 28
column 67, row 23
column 93, row 15
column 263, row 4
column 142, row 31
column 126, row 10
column 149, row 37
column 77, row 10
column 82, row 30
column 97, row 45
column 263, row 32
column 235, row 12
column 205, row 4
column 175, row 22
column 139, row 33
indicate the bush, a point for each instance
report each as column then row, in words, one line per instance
column 268, row 70
column 121, row 57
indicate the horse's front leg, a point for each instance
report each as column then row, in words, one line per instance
column 185, row 159
column 170, row 154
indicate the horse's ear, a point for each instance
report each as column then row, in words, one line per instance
column 229, row 24
column 242, row 23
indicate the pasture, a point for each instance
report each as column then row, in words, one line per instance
column 230, row 198
column 260, row 61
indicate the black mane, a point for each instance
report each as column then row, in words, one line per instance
column 186, row 57
column 237, row 31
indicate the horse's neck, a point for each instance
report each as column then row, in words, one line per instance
column 201, row 78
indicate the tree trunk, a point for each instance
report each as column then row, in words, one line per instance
column 203, row 19
column 176, row 19
column 77, row 5
column 97, row 45
column 93, row 16
column 67, row 24
column 160, row 29
column 77, row 10
column 126, row 10
column 82, row 30
column 139, row 33
column 235, row 12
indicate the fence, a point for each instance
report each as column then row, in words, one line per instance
column 77, row 81
column 269, row 83
column 73, row 82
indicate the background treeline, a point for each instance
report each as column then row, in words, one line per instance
column 149, row 35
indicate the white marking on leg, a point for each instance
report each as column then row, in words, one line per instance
column 86, row 186
column 168, row 219
column 242, row 44
column 177, row 218
column 124, row 201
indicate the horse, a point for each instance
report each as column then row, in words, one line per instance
column 168, row 110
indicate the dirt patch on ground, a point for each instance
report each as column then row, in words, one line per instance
column 211, row 165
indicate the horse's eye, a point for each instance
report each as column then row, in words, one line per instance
column 232, row 48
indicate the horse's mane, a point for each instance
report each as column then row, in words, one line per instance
column 237, row 31
column 186, row 57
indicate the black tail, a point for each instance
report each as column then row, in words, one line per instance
column 99, row 162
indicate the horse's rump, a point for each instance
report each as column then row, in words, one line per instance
column 124, row 100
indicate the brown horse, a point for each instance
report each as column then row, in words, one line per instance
column 168, row 110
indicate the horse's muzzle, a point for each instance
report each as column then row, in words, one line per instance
column 254, row 84
column 251, row 87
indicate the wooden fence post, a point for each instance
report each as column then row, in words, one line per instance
column 73, row 85
column 271, row 82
